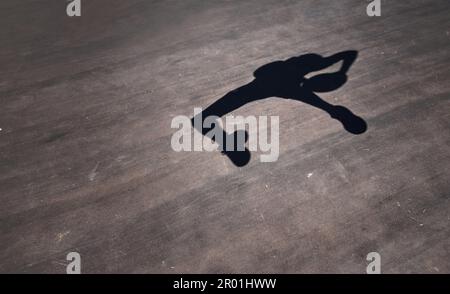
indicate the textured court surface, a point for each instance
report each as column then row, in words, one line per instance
column 86, row 163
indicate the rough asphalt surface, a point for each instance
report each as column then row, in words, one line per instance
column 86, row 163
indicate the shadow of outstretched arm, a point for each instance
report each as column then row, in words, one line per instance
column 228, row 103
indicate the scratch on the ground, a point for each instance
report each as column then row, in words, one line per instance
column 225, row 163
column 93, row 173
column 59, row 263
column 413, row 218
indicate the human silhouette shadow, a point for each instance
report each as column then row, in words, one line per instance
column 286, row 79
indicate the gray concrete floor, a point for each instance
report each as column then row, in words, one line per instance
column 86, row 163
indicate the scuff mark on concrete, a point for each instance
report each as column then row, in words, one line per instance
column 93, row 173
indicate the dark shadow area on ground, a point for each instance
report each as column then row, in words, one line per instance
column 286, row 79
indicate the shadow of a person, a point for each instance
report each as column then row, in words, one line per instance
column 286, row 79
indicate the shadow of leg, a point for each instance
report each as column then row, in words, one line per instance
column 351, row 122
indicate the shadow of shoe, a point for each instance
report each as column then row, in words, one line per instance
column 351, row 122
